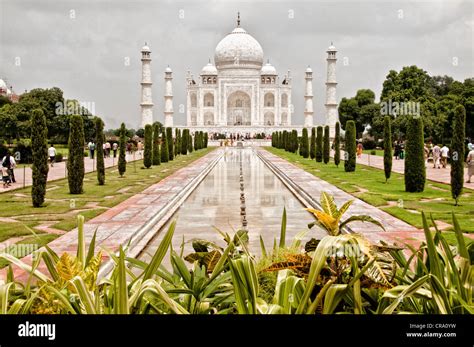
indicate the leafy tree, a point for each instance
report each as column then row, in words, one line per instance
column 4, row 101
column 337, row 144
column 8, row 120
column 141, row 132
column 360, row 109
column 326, row 145
column 415, row 171
column 457, row 150
column 350, row 147
column 312, row 146
column 319, row 144
column 387, row 148
column 75, row 159
column 99, row 142
column 156, row 144
column 148, row 151
column 122, row 162
column 39, row 147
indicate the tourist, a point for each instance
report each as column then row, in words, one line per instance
column 52, row 154
column 104, row 150
column 470, row 162
column 91, row 146
column 396, row 151
column 426, row 152
column 114, row 148
column 9, row 162
column 5, row 177
column 436, row 156
column 107, row 149
column 444, row 155
column 139, row 148
column 359, row 150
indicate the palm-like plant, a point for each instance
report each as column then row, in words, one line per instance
column 330, row 216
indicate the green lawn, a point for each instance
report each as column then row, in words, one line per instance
column 368, row 184
column 61, row 208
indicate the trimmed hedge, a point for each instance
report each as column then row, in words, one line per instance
column 457, row 150
column 326, row 145
column 148, row 150
column 99, row 142
column 75, row 159
column 39, row 145
column 387, row 147
column 337, row 144
column 122, row 162
column 350, row 147
column 319, row 144
column 156, row 144
column 415, row 170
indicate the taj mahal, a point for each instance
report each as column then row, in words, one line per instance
column 240, row 92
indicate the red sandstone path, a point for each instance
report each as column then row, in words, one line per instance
column 437, row 175
column 58, row 171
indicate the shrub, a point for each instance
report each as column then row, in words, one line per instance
column 319, row 144
column 337, row 144
column 58, row 158
column 148, row 150
column 350, row 147
column 415, row 171
column 326, row 145
column 304, row 149
column 169, row 140
column 373, row 152
column 387, row 147
column 75, row 159
column 312, row 146
column 369, row 143
column 164, row 147
column 122, row 162
column 457, row 152
column 156, row 144
column 99, row 142
column 39, row 145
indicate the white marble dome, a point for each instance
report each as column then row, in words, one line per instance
column 238, row 49
column 268, row 69
column 3, row 85
column 209, row 69
column 146, row 48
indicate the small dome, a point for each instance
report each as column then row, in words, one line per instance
column 3, row 85
column 332, row 48
column 238, row 48
column 268, row 69
column 308, row 69
column 9, row 92
column 146, row 48
column 168, row 69
column 209, row 69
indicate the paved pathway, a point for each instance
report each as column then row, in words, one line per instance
column 437, row 175
column 396, row 229
column 23, row 175
column 119, row 224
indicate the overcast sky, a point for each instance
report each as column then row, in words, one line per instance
column 83, row 47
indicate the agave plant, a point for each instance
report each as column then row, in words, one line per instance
column 330, row 216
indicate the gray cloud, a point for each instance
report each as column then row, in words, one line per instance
column 85, row 55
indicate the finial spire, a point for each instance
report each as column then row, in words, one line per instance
column 238, row 19
column 209, row 60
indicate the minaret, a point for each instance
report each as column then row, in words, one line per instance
column 308, row 98
column 331, row 102
column 147, row 102
column 168, row 98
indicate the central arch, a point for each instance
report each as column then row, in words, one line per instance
column 238, row 108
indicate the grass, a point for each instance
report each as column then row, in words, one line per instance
column 63, row 208
column 368, row 184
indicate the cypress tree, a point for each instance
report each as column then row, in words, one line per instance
column 312, row 146
column 39, row 148
column 156, row 144
column 196, row 140
column 415, row 170
column 285, row 140
column 326, row 145
column 99, row 143
column 147, row 155
column 387, row 147
column 305, row 144
column 190, row 143
column 169, row 139
column 457, row 150
column 294, row 141
column 164, row 147
column 122, row 162
column 337, row 144
column 273, row 139
column 319, row 144
column 177, row 147
column 350, row 147
column 75, row 159
column 184, row 142
column 206, row 139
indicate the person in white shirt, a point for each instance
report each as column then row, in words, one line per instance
column 9, row 162
column 436, row 156
column 444, row 156
column 52, row 154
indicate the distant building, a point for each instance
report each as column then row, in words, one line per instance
column 8, row 92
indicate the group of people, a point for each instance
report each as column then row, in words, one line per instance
column 8, row 166
column 439, row 155
column 107, row 147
